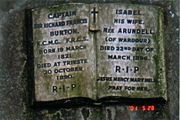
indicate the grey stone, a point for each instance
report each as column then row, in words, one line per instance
column 14, row 98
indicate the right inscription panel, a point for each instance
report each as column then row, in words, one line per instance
column 130, row 51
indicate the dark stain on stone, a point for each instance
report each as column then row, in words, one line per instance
column 7, row 5
column 85, row 112
column 56, row 117
column 109, row 114
column 68, row 114
column 121, row 114
column 64, row 113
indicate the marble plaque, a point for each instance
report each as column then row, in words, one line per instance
column 98, row 50
column 130, row 51
column 63, row 52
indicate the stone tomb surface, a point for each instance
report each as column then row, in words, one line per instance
column 98, row 50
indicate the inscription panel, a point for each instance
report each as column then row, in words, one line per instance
column 63, row 52
column 98, row 50
column 130, row 53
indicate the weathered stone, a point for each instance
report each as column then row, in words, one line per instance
column 15, row 105
column 130, row 51
column 126, row 40
column 63, row 53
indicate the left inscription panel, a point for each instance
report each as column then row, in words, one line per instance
column 63, row 53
